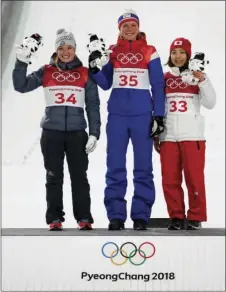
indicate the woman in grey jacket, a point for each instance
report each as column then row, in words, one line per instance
column 68, row 88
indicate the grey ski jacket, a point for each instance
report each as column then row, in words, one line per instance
column 62, row 118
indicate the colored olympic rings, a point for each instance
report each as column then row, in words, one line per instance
column 128, row 255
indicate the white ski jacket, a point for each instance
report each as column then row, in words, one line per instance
column 183, row 121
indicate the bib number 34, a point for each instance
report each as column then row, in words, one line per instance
column 61, row 98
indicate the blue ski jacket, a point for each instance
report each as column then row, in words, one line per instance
column 135, row 74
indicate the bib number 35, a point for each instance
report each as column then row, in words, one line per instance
column 128, row 80
column 180, row 106
column 61, row 98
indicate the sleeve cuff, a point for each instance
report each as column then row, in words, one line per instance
column 21, row 64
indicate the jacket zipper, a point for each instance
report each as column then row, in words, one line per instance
column 65, row 117
column 130, row 45
column 177, row 130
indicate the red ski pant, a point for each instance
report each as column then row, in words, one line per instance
column 187, row 156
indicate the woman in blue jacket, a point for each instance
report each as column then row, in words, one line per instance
column 134, row 113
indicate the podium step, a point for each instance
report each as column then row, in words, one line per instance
column 104, row 232
column 102, row 260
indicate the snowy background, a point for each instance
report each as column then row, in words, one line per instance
column 23, row 174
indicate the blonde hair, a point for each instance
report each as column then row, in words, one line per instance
column 55, row 60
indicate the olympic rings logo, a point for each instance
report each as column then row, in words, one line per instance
column 128, row 255
column 177, row 83
column 65, row 76
column 129, row 58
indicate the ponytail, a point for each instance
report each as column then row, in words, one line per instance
column 55, row 60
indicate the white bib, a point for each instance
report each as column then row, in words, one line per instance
column 64, row 95
column 182, row 103
column 131, row 78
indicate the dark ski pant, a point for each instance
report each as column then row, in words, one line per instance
column 120, row 129
column 55, row 145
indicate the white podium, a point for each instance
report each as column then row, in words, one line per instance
column 99, row 260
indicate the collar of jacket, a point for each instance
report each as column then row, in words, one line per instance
column 131, row 44
column 66, row 66
column 71, row 65
column 175, row 71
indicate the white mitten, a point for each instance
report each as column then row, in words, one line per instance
column 187, row 77
column 23, row 54
column 28, row 48
column 91, row 144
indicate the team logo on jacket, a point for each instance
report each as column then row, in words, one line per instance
column 129, row 58
column 65, row 76
column 176, row 83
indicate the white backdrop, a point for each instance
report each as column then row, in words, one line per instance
column 23, row 190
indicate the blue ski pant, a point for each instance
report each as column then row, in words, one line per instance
column 120, row 129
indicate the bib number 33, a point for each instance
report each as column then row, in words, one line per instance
column 178, row 106
column 61, row 98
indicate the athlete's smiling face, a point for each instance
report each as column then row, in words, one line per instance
column 178, row 57
column 66, row 53
column 129, row 30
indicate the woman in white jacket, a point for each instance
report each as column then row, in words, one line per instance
column 182, row 144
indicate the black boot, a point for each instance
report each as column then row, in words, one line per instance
column 139, row 224
column 176, row 224
column 116, row 224
column 194, row 225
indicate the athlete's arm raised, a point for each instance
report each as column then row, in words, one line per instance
column 24, row 52
column 24, row 83
column 103, row 77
